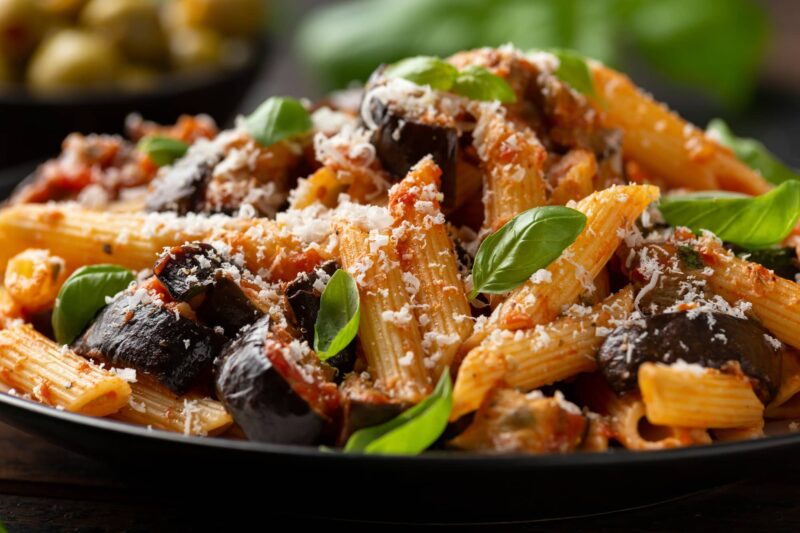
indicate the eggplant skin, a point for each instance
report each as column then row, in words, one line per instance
column 182, row 187
column 400, row 143
column 154, row 339
column 305, row 303
column 712, row 340
column 189, row 270
column 263, row 397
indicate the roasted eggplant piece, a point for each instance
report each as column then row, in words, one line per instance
column 181, row 187
column 400, row 143
column 136, row 331
column 275, row 392
column 191, row 270
column 364, row 406
column 712, row 340
column 304, row 300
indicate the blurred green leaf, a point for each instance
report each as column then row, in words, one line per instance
column 715, row 45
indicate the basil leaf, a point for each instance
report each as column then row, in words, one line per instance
column 478, row 83
column 162, row 150
column 414, row 430
column 574, row 71
column 752, row 153
column 83, row 295
column 425, row 70
column 338, row 317
column 526, row 243
column 277, row 119
column 751, row 222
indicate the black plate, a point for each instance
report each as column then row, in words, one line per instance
column 433, row 487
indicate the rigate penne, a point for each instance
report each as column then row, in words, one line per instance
column 389, row 334
column 429, row 264
column 32, row 364
column 529, row 359
column 693, row 396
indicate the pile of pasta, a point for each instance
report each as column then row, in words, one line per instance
column 524, row 362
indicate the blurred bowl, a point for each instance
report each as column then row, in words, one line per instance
column 32, row 126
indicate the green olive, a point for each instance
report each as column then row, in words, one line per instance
column 133, row 25
column 137, row 77
column 195, row 48
column 73, row 58
column 21, row 27
column 232, row 17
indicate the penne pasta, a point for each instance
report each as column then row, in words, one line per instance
column 153, row 405
column 512, row 160
column 390, row 337
column 628, row 423
column 30, row 363
column 665, row 144
column 533, row 358
column 429, row 264
column 572, row 177
column 693, row 396
column 610, row 214
column 786, row 403
column 133, row 240
column 33, row 279
column 322, row 186
column 775, row 300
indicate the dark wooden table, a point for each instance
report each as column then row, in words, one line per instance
column 44, row 488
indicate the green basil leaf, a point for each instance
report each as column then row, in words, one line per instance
column 162, row 150
column 338, row 317
column 574, row 71
column 752, row 153
column 425, row 70
column 478, row 83
column 277, row 119
column 526, row 243
column 750, row 222
column 83, row 295
column 414, row 430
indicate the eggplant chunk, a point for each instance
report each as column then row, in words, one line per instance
column 712, row 340
column 304, row 300
column 400, row 143
column 511, row 421
column 152, row 338
column 364, row 406
column 187, row 270
column 274, row 393
column 190, row 270
column 181, row 187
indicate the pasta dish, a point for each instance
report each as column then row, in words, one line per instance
column 501, row 251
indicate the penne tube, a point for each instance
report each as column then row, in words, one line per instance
column 775, row 300
column 429, row 265
column 665, row 144
column 389, row 334
column 610, row 214
column 574, row 177
column 693, row 396
column 628, row 423
column 134, row 240
column 30, row 363
column 153, row 405
column 512, row 160
column 786, row 403
column 322, row 186
column 533, row 358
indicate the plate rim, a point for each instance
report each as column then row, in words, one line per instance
column 432, row 458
